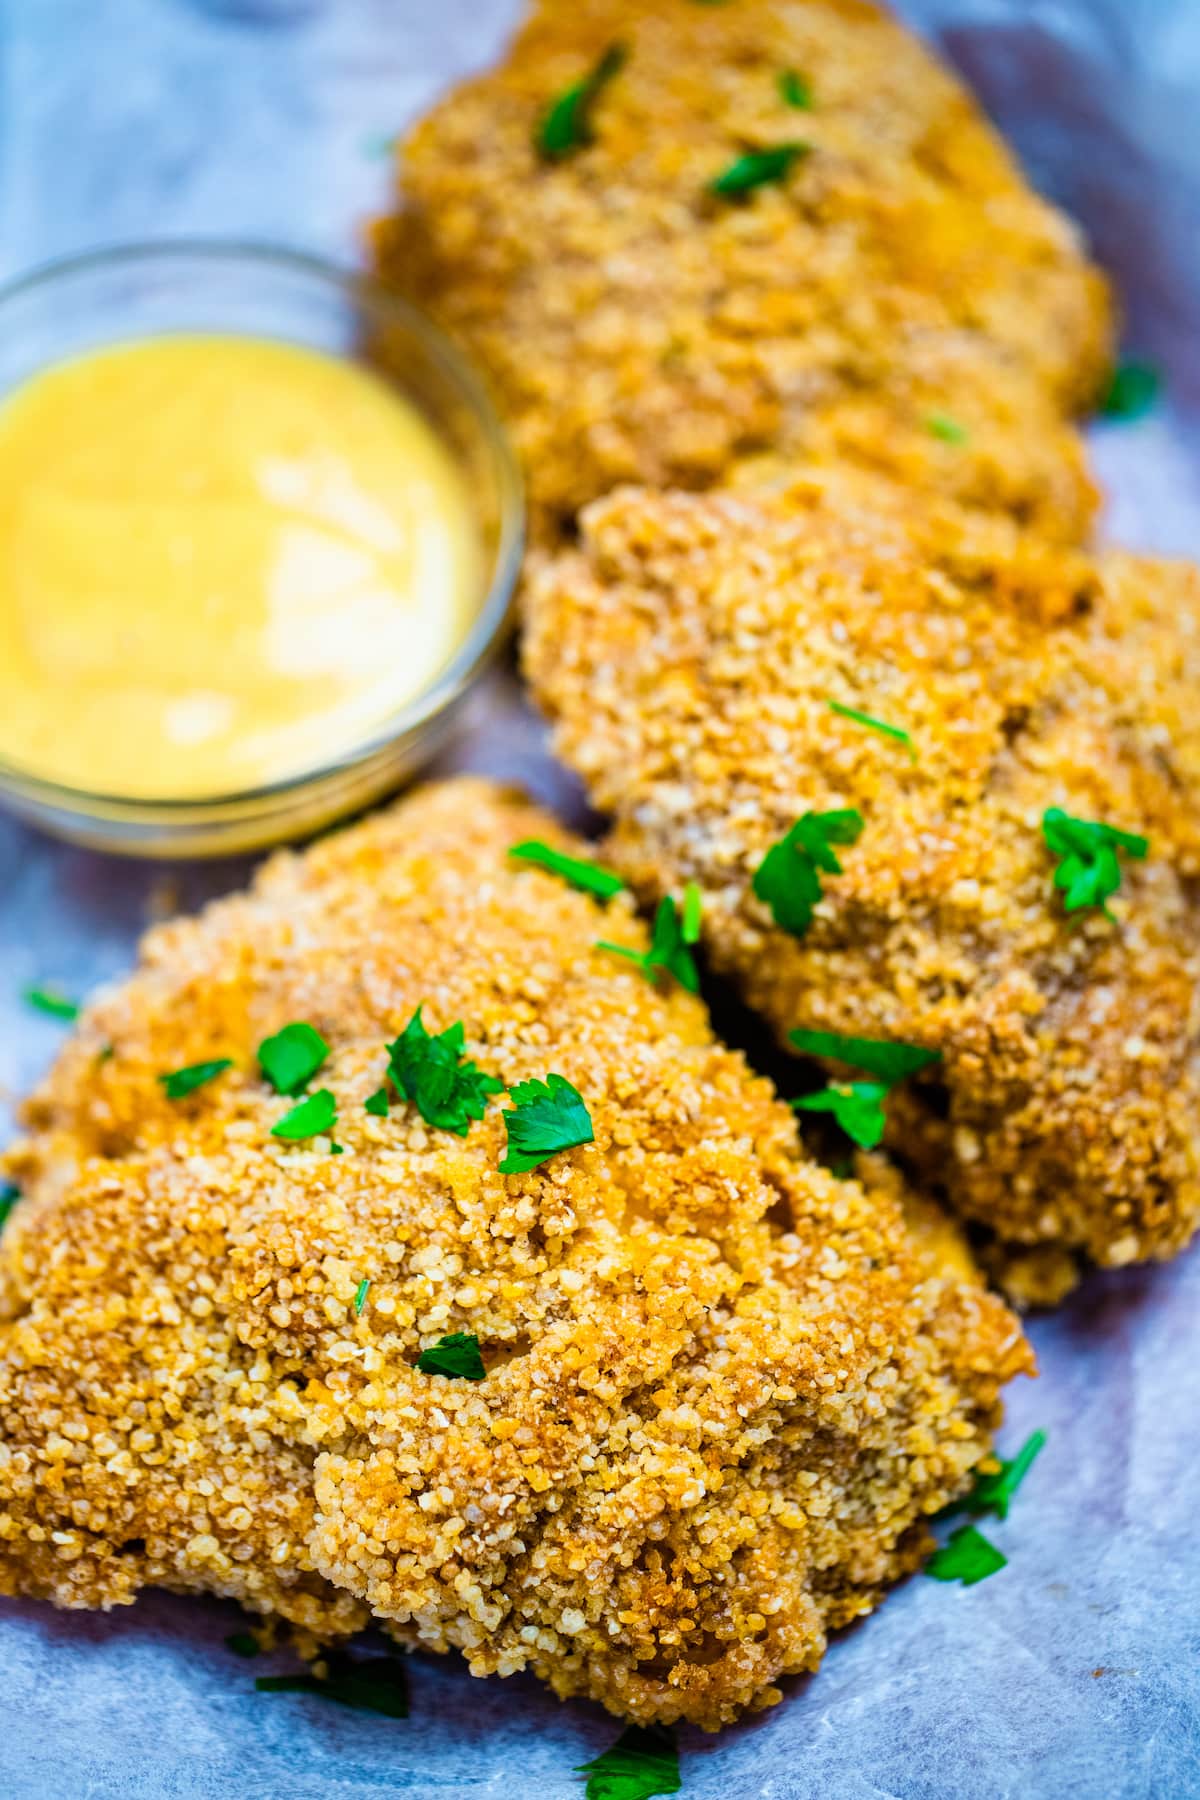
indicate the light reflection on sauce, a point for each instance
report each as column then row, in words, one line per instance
column 223, row 561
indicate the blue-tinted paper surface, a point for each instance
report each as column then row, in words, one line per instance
column 1075, row 1671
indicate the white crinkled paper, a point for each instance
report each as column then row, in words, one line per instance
column 1075, row 1671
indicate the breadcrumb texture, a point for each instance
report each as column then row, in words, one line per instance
column 724, row 1390
column 688, row 652
column 901, row 282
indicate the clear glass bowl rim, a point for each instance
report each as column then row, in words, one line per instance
column 362, row 289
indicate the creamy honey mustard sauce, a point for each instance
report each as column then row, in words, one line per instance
column 223, row 561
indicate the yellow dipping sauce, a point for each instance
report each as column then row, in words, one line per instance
column 223, row 561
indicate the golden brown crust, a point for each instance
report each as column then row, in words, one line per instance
column 688, row 653
column 638, row 329
column 724, row 1389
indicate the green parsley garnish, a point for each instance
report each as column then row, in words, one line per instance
column 567, row 124
column 941, row 425
column 377, row 1103
column 52, row 1003
column 181, row 1082
column 1133, row 390
column 693, row 909
column 9, row 1195
column 756, row 168
column 429, row 1070
column 243, row 1643
column 360, row 1295
column 370, row 1683
column 788, row 877
column 857, row 1107
column 994, row 1493
column 589, row 877
column 887, row 1061
column 545, row 1117
column 314, row 1115
column 643, row 1762
column 668, row 948
column 1089, row 871
column 967, row 1557
column 880, row 725
column 456, row 1355
column 794, row 90
column 292, row 1057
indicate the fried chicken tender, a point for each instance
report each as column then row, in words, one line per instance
column 723, row 1392
column 689, row 652
column 899, row 300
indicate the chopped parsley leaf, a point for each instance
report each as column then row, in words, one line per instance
column 430, row 1071
column 788, row 879
column 857, row 1106
column 794, row 89
column 292, row 1057
column 567, row 124
column 52, row 1003
column 756, row 168
column 181, row 1082
column 315, row 1114
column 643, row 1762
column 890, row 1062
column 1088, row 871
column 941, row 425
column 589, row 877
column 994, row 1493
column 545, row 1117
column 9, row 1195
column 377, row 1103
column 360, row 1295
column 967, row 1557
column 668, row 948
column 370, row 1683
column 243, row 1643
column 456, row 1355
column 880, row 725
column 1133, row 390
column 693, row 909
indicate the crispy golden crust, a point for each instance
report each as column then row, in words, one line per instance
column 724, row 1389
column 688, row 652
column 639, row 329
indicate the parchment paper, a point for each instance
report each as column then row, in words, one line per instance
column 1072, row 1673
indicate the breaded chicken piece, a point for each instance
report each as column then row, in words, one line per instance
column 899, row 300
column 723, row 1392
column 689, row 653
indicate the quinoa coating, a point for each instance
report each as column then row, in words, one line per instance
column 900, row 300
column 724, row 1390
column 688, row 653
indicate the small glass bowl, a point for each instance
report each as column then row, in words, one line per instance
column 144, row 290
